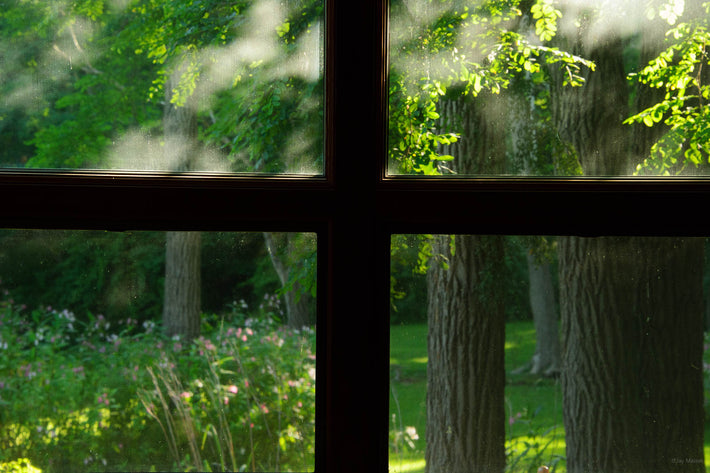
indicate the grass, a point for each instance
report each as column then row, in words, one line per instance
column 538, row 400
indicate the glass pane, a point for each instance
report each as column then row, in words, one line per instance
column 549, row 88
column 154, row 351
column 204, row 86
column 512, row 353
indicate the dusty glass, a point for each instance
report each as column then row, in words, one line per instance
column 548, row 88
column 209, row 86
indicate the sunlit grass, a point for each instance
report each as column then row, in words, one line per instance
column 407, row 466
column 533, row 403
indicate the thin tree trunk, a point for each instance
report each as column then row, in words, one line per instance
column 182, row 299
column 181, row 310
column 297, row 302
column 546, row 360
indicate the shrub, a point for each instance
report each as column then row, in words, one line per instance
column 100, row 396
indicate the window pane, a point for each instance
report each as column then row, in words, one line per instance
column 548, row 88
column 512, row 352
column 206, row 86
column 149, row 351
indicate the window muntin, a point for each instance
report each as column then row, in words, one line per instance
column 208, row 87
column 547, row 90
column 81, row 337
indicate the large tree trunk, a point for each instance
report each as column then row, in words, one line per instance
column 632, row 336
column 181, row 306
column 465, row 371
column 630, row 307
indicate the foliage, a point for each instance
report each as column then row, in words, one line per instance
column 527, row 452
column 95, row 389
column 21, row 465
column 97, row 70
column 120, row 274
column 681, row 71
column 452, row 55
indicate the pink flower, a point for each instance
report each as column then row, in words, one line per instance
column 264, row 409
column 226, row 400
column 233, row 389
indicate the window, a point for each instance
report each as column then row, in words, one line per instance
column 354, row 209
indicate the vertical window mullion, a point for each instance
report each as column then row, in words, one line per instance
column 357, row 248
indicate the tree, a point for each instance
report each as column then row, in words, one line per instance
column 465, row 375
column 631, row 307
column 290, row 257
column 182, row 301
column 446, row 119
column 547, row 359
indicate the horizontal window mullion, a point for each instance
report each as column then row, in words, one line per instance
column 123, row 206
column 562, row 211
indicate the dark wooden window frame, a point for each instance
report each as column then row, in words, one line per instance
column 354, row 209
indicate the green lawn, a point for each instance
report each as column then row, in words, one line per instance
column 534, row 404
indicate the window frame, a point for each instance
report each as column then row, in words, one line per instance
column 354, row 209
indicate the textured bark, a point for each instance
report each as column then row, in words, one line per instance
column 181, row 310
column 298, row 304
column 181, row 306
column 465, row 373
column 546, row 360
column 632, row 340
column 631, row 308
column 590, row 118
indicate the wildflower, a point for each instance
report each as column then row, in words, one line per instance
column 233, row 389
column 412, row 432
column 226, row 400
column 264, row 409
column 186, row 395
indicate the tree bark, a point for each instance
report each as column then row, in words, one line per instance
column 632, row 337
column 465, row 371
column 631, row 307
column 181, row 309
column 546, row 360
column 182, row 299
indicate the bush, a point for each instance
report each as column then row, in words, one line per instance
column 100, row 396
